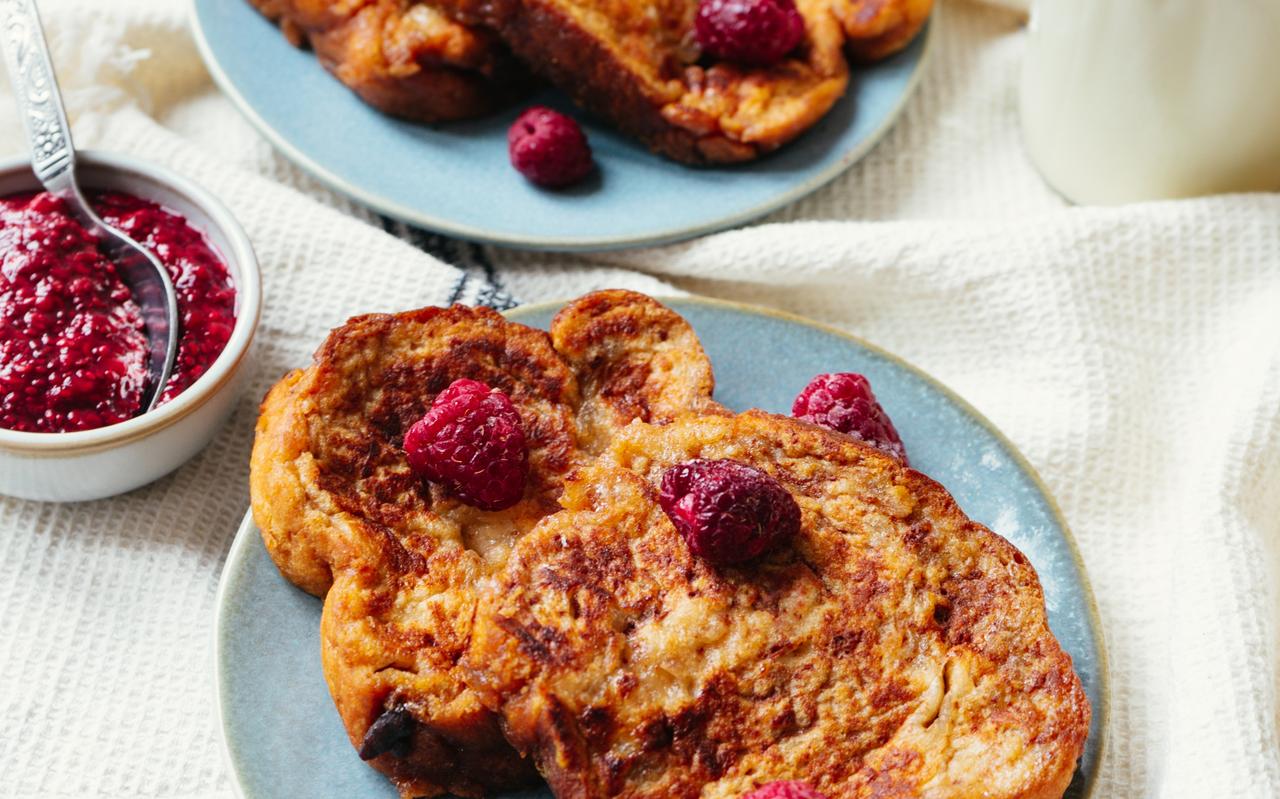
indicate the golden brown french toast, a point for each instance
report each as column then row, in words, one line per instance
column 893, row 648
column 636, row 64
column 635, row 359
column 404, row 57
column 344, row 517
column 398, row 559
column 876, row 29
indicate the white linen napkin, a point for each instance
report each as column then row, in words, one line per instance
column 1132, row 353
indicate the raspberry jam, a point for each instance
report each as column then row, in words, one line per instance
column 73, row 352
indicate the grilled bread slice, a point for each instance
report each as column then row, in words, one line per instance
column 634, row 359
column 403, row 57
column 894, row 648
column 638, row 65
column 344, row 517
column 397, row 559
column 876, row 29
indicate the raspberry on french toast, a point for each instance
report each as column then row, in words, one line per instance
column 398, row 559
column 892, row 648
column 638, row 66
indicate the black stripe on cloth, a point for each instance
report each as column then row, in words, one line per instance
column 471, row 259
column 499, row 298
column 458, row 288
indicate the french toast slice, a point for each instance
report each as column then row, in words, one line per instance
column 344, row 517
column 876, row 29
column 405, row 58
column 638, row 66
column 895, row 648
column 397, row 559
column 635, row 359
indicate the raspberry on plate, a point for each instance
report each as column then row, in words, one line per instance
column 726, row 511
column 754, row 32
column 785, row 789
column 844, row 402
column 549, row 148
column 472, row 443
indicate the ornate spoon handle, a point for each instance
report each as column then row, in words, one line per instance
column 53, row 159
column 26, row 55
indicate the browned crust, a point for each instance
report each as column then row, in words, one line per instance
column 635, row 359
column 396, row 560
column 694, row 114
column 423, row 70
column 372, row 663
column 334, row 499
column 278, row 493
column 404, row 58
column 876, row 29
column 618, row 391
column 896, row 645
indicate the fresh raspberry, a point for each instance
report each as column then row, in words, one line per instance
column 754, row 32
column 844, row 402
column 549, row 148
column 726, row 511
column 471, row 442
column 785, row 789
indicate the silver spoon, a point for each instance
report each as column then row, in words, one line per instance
column 53, row 159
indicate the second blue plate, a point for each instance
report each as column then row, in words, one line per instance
column 455, row 179
column 283, row 736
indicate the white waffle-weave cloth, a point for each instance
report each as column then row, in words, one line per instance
column 1132, row 353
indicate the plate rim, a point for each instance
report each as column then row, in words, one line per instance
column 238, row 543
column 584, row 243
column 1102, row 714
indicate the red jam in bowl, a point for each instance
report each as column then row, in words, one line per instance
column 73, row 354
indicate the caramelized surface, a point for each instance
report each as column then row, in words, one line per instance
column 397, row 559
column 403, row 57
column 896, row 648
column 637, row 64
column 877, row 29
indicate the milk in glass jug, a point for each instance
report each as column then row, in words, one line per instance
column 1128, row 100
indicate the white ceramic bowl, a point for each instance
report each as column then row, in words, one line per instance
column 91, row 464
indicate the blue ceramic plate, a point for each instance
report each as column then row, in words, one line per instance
column 455, row 178
column 283, row 737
